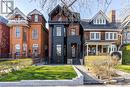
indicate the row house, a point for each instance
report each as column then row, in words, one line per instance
column 4, row 38
column 102, row 34
column 28, row 34
column 65, row 33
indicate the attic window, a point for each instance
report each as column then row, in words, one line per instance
column 36, row 18
column 99, row 21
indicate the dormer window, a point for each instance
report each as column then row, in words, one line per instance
column 99, row 21
column 36, row 18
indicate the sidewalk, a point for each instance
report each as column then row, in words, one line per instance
column 88, row 77
column 125, row 75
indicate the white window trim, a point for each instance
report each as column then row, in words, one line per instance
column 95, row 35
column 58, row 33
column 112, row 36
column 36, row 18
column 98, row 22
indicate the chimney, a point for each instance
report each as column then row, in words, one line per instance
column 113, row 16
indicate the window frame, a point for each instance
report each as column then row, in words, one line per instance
column 58, row 33
column 113, row 36
column 36, row 18
column 59, row 50
column 73, row 33
column 95, row 35
column 17, row 32
column 34, row 34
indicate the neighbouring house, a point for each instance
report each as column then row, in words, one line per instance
column 28, row 34
column 102, row 35
column 65, row 36
column 126, row 30
column 4, row 38
column 38, row 34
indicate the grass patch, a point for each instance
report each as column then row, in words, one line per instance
column 41, row 73
column 125, row 68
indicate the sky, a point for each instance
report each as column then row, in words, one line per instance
column 27, row 6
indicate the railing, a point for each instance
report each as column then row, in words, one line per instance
column 13, row 22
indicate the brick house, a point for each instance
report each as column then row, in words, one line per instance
column 102, row 35
column 4, row 38
column 65, row 35
column 27, row 33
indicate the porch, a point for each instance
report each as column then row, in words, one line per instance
column 99, row 48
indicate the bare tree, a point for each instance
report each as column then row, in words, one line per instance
column 85, row 6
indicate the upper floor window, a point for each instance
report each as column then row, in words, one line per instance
column 73, row 31
column 58, row 31
column 36, row 18
column 99, row 21
column 35, row 34
column 111, row 35
column 17, row 32
column 95, row 36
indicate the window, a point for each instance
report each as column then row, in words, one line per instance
column 94, row 35
column 128, row 35
column 36, row 18
column 99, row 21
column 17, row 48
column 58, row 50
column 35, row 34
column 17, row 32
column 24, row 36
column 110, row 35
column 73, row 31
column 58, row 31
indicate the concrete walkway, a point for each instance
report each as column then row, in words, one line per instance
column 125, row 75
column 88, row 77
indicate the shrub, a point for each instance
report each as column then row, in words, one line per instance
column 126, row 54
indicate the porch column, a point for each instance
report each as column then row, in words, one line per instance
column 96, row 49
column 102, row 48
column 87, row 49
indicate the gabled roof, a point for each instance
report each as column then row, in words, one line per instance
column 66, row 11
column 86, row 25
column 57, row 7
column 16, row 11
column 102, row 13
column 35, row 11
column 126, row 21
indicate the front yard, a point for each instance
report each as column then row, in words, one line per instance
column 41, row 73
column 101, row 66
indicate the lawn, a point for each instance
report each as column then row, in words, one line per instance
column 125, row 68
column 41, row 73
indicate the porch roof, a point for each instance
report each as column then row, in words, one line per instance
column 99, row 43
